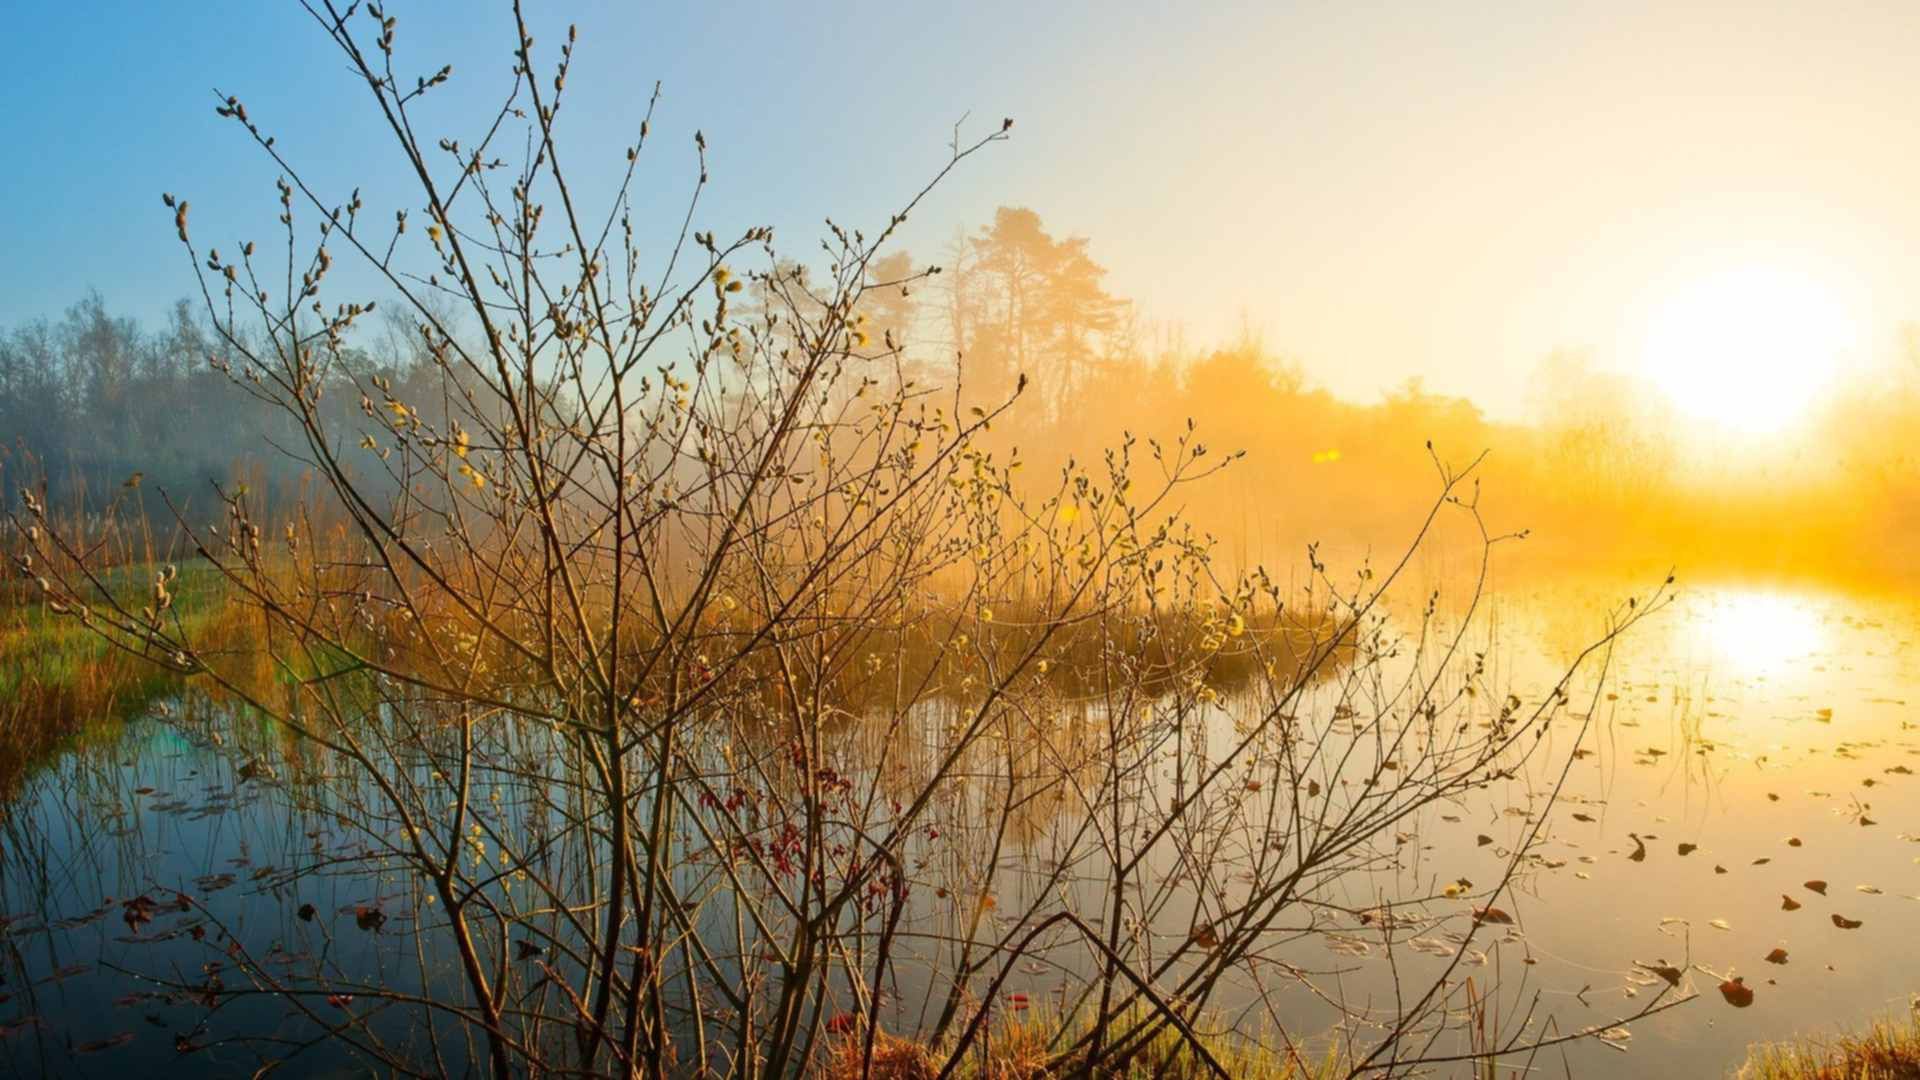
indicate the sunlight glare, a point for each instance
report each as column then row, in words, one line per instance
column 1758, row 632
column 1747, row 349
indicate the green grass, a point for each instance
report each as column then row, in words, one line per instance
column 62, row 684
column 50, row 650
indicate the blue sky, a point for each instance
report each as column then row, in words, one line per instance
column 1379, row 190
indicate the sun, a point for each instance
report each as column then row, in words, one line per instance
column 1747, row 349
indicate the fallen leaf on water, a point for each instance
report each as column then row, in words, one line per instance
column 1788, row 903
column 1793, row 841
column 107, row 1043
column 1720, row 924
column 1616, row 1037
column 1585, row 817
column 1663, row 969
column 1845, row 923
column 1483, row 840
column 1639, row 849
column 1737, row 992
column 1868, row 889
column 1492, row 915
column 1818, row 886
column 1688, row 849
column 1777, row 956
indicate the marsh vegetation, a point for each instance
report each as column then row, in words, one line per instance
column 625, row 649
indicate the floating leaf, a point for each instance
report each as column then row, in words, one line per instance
column 1688, row 849
column 1816, row 885
column 107, row 1043
column 1737, row 992
column 1493, row 915
column 1777, row 956
column 1788, row 903
column 1845, row 923
column 1663, row 969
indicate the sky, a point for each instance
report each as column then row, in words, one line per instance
column 1448, row 191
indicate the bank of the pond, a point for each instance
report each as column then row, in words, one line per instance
column 1887, row 1048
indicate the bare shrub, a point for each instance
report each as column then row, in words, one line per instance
column 700, row 673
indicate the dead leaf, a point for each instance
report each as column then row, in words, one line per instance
column 1663, row 969
column 1737, row 992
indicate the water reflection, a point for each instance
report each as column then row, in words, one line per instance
column 1749, row 632
column 1748, row 742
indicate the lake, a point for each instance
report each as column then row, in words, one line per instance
column 1739, row 782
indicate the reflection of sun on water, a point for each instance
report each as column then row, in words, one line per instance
column 1755, row 632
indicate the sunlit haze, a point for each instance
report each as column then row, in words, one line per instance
column 1012, row 540
column 1752, row 348
column 1378, row 193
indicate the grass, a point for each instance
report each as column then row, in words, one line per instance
column 1024, row 1048
column 61, row 683
column 1888, row 1049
